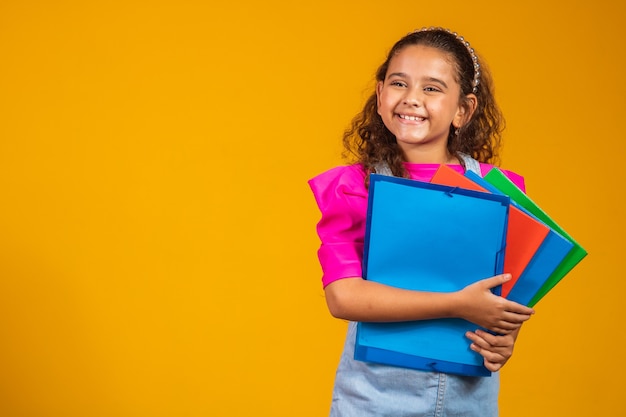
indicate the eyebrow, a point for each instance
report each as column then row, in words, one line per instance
column 429, row 79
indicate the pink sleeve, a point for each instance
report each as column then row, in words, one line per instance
column 341, row 196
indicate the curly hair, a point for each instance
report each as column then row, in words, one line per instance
column 368, row 141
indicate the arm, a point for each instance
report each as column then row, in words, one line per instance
column 361, row 300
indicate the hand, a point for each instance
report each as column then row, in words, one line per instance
column 482, row 307
column 496, row 350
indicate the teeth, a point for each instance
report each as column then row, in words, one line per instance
column 402, row 116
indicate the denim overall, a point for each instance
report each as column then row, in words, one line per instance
column 366, row 389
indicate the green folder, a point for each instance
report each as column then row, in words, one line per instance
column 502, row 183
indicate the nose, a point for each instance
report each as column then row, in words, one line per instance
column 413, row 97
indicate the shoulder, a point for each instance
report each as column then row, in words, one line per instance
column 348, row 179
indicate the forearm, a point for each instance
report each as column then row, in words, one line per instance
column 357, row 299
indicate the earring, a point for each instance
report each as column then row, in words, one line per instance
column 456, row 131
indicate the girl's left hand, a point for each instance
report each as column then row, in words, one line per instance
column 496, row 349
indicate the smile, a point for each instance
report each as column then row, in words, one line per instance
column 413, row 118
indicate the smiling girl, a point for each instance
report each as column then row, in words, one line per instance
column 433, row 104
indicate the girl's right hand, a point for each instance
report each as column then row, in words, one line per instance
column 482, row 307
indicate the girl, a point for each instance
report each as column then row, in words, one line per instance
column 433, row 104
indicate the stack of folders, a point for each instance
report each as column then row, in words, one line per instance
column 442, row 236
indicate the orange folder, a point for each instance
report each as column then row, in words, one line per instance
column 524, row 233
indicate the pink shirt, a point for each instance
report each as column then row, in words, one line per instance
column 341, row 196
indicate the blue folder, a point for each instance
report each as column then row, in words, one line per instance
column 541, row 266
column 429, row 237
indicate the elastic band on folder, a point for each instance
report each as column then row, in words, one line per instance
column 450, row 191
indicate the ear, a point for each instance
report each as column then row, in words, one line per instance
column 467, row 107
column 379, row 89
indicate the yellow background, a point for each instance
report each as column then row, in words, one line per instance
column 157, row 241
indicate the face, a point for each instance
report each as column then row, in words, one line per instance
column 419, row 100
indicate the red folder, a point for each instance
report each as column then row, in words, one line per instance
column 524, row 233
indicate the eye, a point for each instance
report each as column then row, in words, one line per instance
column 432, row 89
column 397, row 83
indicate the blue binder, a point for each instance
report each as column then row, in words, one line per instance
column 429, row 237
column 549, row 255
